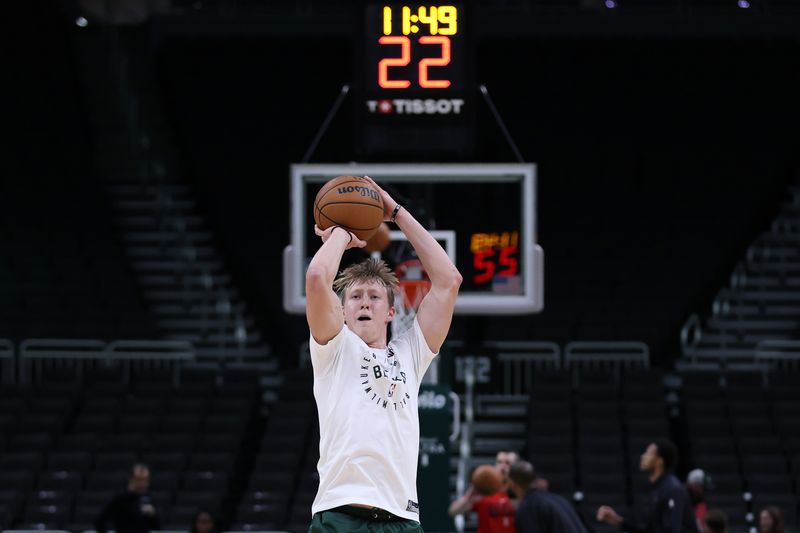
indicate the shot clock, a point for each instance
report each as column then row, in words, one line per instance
column 415, row 95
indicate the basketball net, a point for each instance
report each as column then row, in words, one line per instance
column 409, row 296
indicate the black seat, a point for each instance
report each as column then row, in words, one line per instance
column 40, row 423
column 76, row 461
column 171, row 442
column 221, row 461
column 121, row 443
column 53, row 516
column 111, row 481
column 165, row 461
column 61, row 480
column 228, row 423
column 205, row 481
column 77, row 442
column 40, row 443
column 210, row 501
column 164, row 480
column 137, row 423
column 114, row 461
column 181, row 424
column 30, row 461
column 94, row 423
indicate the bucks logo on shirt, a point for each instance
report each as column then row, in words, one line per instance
column 384, row 380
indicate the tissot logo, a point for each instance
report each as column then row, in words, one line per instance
column 401, row 106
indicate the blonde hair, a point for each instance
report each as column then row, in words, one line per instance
column 367, row 271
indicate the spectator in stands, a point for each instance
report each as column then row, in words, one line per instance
column 770, row 520
column 496, row 511
column 203, row 522
column 541, row 511
column 131, row 511
column 697, row 482
column 671, row 510
column 366, row 389
column 715, row 521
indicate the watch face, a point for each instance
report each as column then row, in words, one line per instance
column 414, row 94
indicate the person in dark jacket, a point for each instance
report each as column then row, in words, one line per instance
column 670, row 507
column 131, row 511
column 541, row 511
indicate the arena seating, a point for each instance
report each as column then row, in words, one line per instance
column 587, row 431
column 69, row 447
column 761, row 303
column 742, row 430
column 62, row 274
column 280, row 464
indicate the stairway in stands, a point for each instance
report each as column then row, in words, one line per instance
column 170, row 246
column 761, row 303
column 183, row 276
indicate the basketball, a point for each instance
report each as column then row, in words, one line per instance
column 487, row 480
column 350, row 202
column 380, row 241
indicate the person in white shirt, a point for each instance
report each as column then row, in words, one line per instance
column 365, row 388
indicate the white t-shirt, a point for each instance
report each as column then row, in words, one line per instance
column 368, row 419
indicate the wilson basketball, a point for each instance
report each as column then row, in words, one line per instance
column 487, row 480
column 351, row 202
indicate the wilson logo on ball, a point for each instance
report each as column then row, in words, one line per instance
column 364, row 191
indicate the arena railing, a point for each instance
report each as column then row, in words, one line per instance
column 778, row 354
column 604, row 355
column 84, row 355
column 7, row 362
column 691, row 333
column 520, row 359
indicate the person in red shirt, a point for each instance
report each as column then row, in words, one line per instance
column 697, row 482
column 496, row 511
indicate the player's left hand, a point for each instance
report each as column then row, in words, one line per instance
column 388, row 202
column 325, row 234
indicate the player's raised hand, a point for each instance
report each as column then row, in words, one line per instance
column 325, row 234
column 388, row 202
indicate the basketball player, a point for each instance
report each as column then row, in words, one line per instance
column 366, row 390
column 495, row 511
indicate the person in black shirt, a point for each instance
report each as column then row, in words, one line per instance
column 670, row 508
column 541, row 511
column 131, row 511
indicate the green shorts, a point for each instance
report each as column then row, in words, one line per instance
column 335, row 521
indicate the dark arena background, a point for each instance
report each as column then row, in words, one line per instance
column 147, row 204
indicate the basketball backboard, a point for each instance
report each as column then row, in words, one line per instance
column 484, row 215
